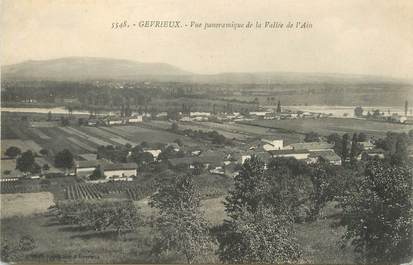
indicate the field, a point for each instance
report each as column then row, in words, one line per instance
column 332, row 125
column 132, row 190
column 243, row 132
column 23, row 204
column 78, row 139
column 64, row 243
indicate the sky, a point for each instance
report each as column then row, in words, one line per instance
column 373, row 37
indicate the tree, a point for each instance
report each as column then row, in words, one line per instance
column 181, row 225
column 401, row 153
column 362, row 137
column 174, row 127
column 406, row 107
column 312, row 137
column 99, row 215
column 344, row 148
column 337, row 141
column 64, row 121
column 64, row 159
column 259, row 230
column 46, row 167
column 44, row 152
column 378, row 214
column 198, row 168
column 13, row 151
column 142, row 158
column 358, row 111
column 250, row 187
column 97, row 174
column 321, row 175
column 355, row 149
column 25, row 162
column 36, row 169
column 279, row 107
column 259, row 237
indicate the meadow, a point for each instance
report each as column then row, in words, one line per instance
column 326, row 126
column 64, row 243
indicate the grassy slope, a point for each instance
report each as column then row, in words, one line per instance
column 66, row 243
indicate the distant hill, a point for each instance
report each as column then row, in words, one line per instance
column 92, row 68
column 87, row 68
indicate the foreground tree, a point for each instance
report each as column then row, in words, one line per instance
column 378, row 214
column 259, row 230
column 181, row 225
column 260, row 237
column 118, row 216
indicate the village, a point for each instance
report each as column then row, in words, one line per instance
column 220, row 146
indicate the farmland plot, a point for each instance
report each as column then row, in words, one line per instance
column 81, row 145
column 100, row 132
column 139, row 134
column 93, row 191
column 333, row 125
column 85, row 136
column 24, row 145
column 23, row 204
column 39, row 133
column 59, row 141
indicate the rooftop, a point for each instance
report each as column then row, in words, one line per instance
column 120, row 166
column 311, row 145
column 329, row 155
column 289, row 151
column 90, row 163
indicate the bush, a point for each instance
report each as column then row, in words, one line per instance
column 13, row 151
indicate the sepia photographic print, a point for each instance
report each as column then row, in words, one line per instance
column 173, row 131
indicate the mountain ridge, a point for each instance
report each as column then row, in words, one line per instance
column 92, row 68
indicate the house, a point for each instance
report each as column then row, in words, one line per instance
column 263, row 156
column 114, row 121
column 327, row 155
column 374, row 153
column 310, row 146
column 258, row 114
column 188, row 161
column 299, row 154
column 367, row 145
column 209, row 161
column 92, row 122
column 135, row 119
column 269, row 145
column 121, row 171
column 175, row 146
column 154, row 152
column 398, row 118
column 199, row 114
column 162, row 115
column 86, row 168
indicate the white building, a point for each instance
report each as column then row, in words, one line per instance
column 123, row 171
column 297, row 154
column 86, row 168
column 199, row 114
column 135, row 119
column 311, row 146
column 154, row 152
column 270, row 145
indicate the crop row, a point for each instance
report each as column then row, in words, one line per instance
column 133, row 191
